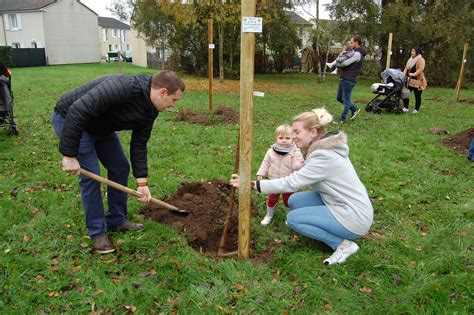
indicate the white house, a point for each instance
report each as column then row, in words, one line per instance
column 114, row 36
column 67, row 29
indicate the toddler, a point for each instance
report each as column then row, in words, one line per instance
column 346, row 53
column 280, row 160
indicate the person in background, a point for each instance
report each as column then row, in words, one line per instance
column 348, row 71
column 86, row 120
column 414, row 69
column 281, row 159
column 338, row 209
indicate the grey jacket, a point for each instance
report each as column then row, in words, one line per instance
column 329, row 171
column 350, row 68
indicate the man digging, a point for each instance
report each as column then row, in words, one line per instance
column 86, row 120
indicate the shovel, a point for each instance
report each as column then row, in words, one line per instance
column 132, row 192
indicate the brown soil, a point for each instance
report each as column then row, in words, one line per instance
column 459, row 142
column 467, row 100
column 225, row 115
column 208, row 204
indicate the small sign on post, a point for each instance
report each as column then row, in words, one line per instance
column 251, row 24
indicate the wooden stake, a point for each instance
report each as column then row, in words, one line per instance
column 231, row 203
column 389, row 50
column 461, row 74
column 247, row 58
column 210, row 60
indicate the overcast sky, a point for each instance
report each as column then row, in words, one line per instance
column 99, row 6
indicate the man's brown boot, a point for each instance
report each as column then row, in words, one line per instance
column 127, row 227
column 102, row 245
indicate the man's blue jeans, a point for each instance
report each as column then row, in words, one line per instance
column 108, row 150
column 310, row 217
column 344, row 95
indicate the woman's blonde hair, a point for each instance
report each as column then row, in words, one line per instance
column 317, row 118
column 283, row 130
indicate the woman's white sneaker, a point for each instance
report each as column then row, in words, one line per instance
column 340, row 255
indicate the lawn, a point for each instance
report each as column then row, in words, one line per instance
column 417, row 257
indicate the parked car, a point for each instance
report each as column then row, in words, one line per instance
column 112, row 56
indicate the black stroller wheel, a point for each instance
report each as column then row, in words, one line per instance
column 13, row 130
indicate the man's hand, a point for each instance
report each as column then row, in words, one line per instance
column 146, row 195
column 71, row 165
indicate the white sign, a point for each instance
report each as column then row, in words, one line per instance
column 212, row 46
column 251, row 24
column 257, row 93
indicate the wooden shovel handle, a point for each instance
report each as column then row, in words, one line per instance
column 129, row 191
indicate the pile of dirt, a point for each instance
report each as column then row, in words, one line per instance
column 459, row 142
column 208, row 204
column 467, row 100
column 225, row 115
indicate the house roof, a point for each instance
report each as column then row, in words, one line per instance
column 107, row 22
column 24, row 5
column 296, row 19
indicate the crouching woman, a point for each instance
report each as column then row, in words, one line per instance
column 338, row 209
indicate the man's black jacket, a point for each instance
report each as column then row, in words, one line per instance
column 107, row 104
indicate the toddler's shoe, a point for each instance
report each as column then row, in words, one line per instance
column 266, row 220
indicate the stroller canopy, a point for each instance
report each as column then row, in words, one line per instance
column 396, row 75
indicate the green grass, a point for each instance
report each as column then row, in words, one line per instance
column 417, row 258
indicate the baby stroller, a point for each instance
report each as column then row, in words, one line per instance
column 6, row 101
column 388, row 93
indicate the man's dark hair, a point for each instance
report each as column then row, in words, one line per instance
column 357, row 39
column 169, row 80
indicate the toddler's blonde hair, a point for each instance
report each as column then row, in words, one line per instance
column 283, row 130
column 317, row 118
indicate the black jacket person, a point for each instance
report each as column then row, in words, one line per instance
column 86, row 120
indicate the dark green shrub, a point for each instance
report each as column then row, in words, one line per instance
column 6, row 56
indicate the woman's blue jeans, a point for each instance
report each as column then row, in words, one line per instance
column 108, row 150
column 344, row 95
column 310, row 217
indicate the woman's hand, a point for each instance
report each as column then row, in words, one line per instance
column 234, row 180
column 146, row 195
column 70, row 165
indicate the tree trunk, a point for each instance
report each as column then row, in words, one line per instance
column 221, row 51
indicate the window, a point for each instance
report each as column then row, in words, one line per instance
column 104, row 34
column 122, row 34
column 115, row 33
column 110, row 47
column 16, row 45
column 12, row 22
column 116, row 48
column 128, row 46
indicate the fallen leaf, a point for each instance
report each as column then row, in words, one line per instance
column 148, row 274
column 7, row 250
column 69, row 237
column 117, row 279
column 35, row 211
column 327, row 306
column 130, row 308
column 239, row 287
column 53, row 262
column 396, row 278
column 84, row 245
column 98, row 292
column 80, row 289
column 53, row 294
column 366, row 290
column 26, row 238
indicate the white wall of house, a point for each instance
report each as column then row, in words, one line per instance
column 139, row 49
column 3, row 40
column 71, row 33
column 27, row 30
